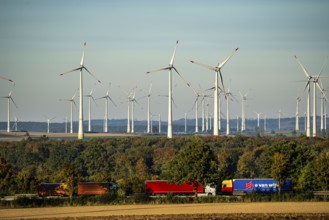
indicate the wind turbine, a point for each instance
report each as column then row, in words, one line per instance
column 90, row 97
column 217, row 70
column 15, row 126
column 258, row 114
column 80, row 68
column 243, row 111
column 9, row 98
column 71, row 104
column 107, row 98
column 170, row 67
column 265, row 122
column 197, row 95
column 149, row 126
column 132, row 100
column 323, row 106
column 297, row 113
column 48, row 123
column 280, row 113
column 228, row 95
column 315, row 81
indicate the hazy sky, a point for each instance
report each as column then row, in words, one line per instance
column 40, row 39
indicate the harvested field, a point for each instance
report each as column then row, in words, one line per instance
column 275, row 210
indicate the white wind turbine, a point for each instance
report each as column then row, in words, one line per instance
column 71, row 107
column 90, row 97
column 132, row 100
column 48, row 123
column 15, row 126
column 217, row 71
column 107, row 98
column 170, row 67
column 9, row 98
column 315, row 81
column 197, row 95
column 228, row 97
column 297, row 113
column 80, row 68
column 243, row 111
column 148, row 110
column 258, row 115
column 323, row 107
column 280, row 113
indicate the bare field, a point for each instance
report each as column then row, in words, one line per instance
column 273, row 210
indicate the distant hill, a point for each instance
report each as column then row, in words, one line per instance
column 120, row 125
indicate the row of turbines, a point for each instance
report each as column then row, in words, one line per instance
column 218, row 89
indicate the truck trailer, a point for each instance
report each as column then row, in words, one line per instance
column 237, row 186
column 95, row 188
column 52, row 189
column 164, row 187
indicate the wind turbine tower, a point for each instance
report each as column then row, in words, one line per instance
column 170, row 67
column 80, row 68
column 107, row 98
column 48, row 123
column 297, row 113
column 243, row 111
column 9, row 99
column 217, row 71
column 71, row 106
column 149, row 110
column 90, row 97
column 258, row 115
column 280, row 113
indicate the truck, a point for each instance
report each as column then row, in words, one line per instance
column 243, row 186
column 164, row 187
column 96, row 188
column 52, row 189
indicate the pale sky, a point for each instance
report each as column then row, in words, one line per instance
column 40, row 39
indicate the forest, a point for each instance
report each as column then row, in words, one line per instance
column 129, row 161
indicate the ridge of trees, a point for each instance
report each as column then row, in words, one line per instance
column 129, row 161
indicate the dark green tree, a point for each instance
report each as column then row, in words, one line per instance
column 279, row 169
column 321, row 170
column 70, row 176
column 195, row 163
column 6, row 176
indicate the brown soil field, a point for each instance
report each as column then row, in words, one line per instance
column 273, row 210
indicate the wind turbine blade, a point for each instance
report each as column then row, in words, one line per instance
column 307, row 84
column 317, row 84
column 150, row 89
column 173, row 55
column 91, row 74
column 79, row 68
column 75, row 94
column 4, row 78
column 303, row 68
column 188, row 84
column 94, row 100
column 112, row 101
column 203, row 65
column 174, row 102
column 13, row 101
column 52, row 118
column 229, row 57
column 157, row 70
column 221, row 79
column 83, row 54
column 240, row 94
column 323, row 66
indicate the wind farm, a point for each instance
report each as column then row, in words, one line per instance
column 125, row 62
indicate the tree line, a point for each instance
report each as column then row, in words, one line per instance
column 129, row 161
